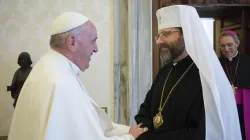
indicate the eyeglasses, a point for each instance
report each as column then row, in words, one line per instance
column 165, row 34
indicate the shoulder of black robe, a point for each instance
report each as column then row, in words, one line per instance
column 185, row 114
column 223, row 62
column 242, row 79
column 144, row 114
column 243, row 71
column 221, row 59
column 197, row 113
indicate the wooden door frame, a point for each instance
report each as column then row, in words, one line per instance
column 156, row 60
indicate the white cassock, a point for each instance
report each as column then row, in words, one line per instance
column 54, row 105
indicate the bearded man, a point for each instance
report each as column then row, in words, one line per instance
column 190, row 98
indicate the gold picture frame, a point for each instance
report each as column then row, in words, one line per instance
column 105, row 109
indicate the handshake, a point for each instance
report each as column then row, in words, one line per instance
column 136, row 130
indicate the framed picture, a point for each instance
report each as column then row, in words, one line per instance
column 105, row 109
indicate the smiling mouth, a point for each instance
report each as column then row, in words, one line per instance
column 228, row 53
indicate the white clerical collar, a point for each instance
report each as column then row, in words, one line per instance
column 231, row 58
column 73, row 66
column 174, row 63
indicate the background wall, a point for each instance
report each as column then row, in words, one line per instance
column 25, row 26
column 208, row 24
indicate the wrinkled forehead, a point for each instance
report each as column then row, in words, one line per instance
column 91, row 29
column 226, row 39
column 94, row 31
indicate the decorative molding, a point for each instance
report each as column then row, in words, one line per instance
column 133, row 57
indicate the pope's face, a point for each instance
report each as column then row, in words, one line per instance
column 85, row 45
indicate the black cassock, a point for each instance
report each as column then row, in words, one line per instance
column 183, row 114
column 242, row 77
column 238, row 73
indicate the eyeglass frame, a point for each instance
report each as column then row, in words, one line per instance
column 165, row 34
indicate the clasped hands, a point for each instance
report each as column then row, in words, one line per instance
column 136, row 130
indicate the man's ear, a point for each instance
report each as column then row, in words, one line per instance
column 71, row 43
column 238, row 43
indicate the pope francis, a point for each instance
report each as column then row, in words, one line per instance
column 53, row 103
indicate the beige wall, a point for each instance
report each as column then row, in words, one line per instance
column 25, row 26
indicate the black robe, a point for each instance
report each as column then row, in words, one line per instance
column 240, row 79
column 184, row 113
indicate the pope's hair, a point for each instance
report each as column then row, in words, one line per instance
column 58, row 40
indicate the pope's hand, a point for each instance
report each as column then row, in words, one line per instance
column 136, row 131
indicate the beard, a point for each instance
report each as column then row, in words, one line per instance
column 165, row 57
column 171, row 51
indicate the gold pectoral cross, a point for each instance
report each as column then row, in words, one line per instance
column 158, row 120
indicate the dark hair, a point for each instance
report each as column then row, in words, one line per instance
column 230, row 33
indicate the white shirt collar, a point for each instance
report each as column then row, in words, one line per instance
column 231, row 58
column 73, row 66
column 174, row 63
